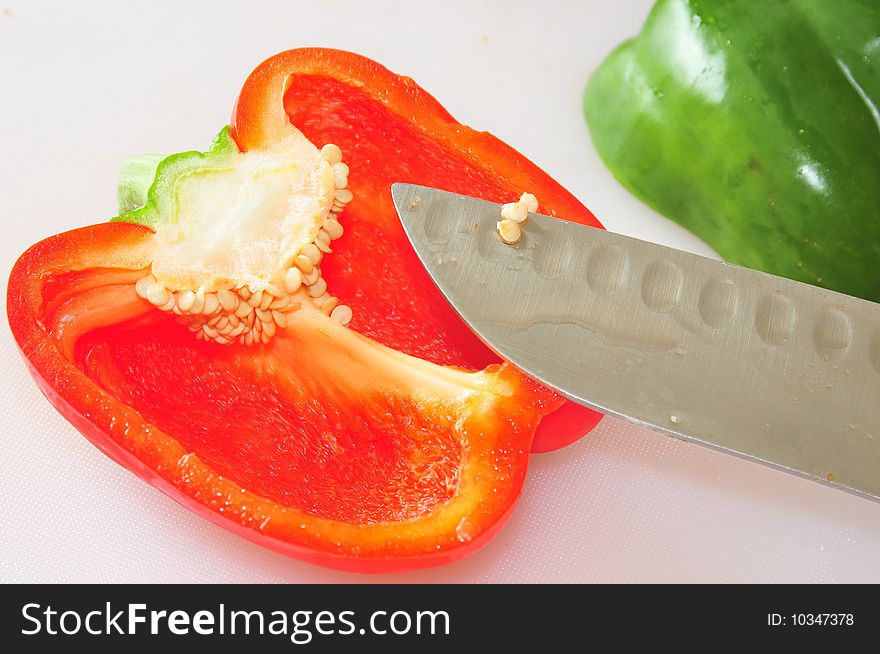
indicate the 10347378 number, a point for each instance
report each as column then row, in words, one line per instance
column 810, row 620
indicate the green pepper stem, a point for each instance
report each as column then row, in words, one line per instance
column 135, row 179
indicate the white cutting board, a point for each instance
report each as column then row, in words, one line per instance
column 86, row 84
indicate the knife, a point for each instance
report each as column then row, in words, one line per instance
column 773, row 370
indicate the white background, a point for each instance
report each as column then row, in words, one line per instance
column 83, row 85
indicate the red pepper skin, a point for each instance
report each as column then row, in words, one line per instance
column 391, row 130
column 108, row 258
column 120, row 371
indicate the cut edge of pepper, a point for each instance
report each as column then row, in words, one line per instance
column 120, row 432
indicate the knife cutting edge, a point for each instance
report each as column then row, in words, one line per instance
column 770, row 369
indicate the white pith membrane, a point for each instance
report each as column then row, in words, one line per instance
column 246, row 248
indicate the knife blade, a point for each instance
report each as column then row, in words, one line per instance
column 763, row 367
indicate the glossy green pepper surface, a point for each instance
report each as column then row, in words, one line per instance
column 756, row 126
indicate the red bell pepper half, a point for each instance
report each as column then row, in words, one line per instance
column 394, row 443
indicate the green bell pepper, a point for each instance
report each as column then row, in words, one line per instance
column 755, row 125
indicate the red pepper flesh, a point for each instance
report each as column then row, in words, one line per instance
column 392, row 130
column 309, row 446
